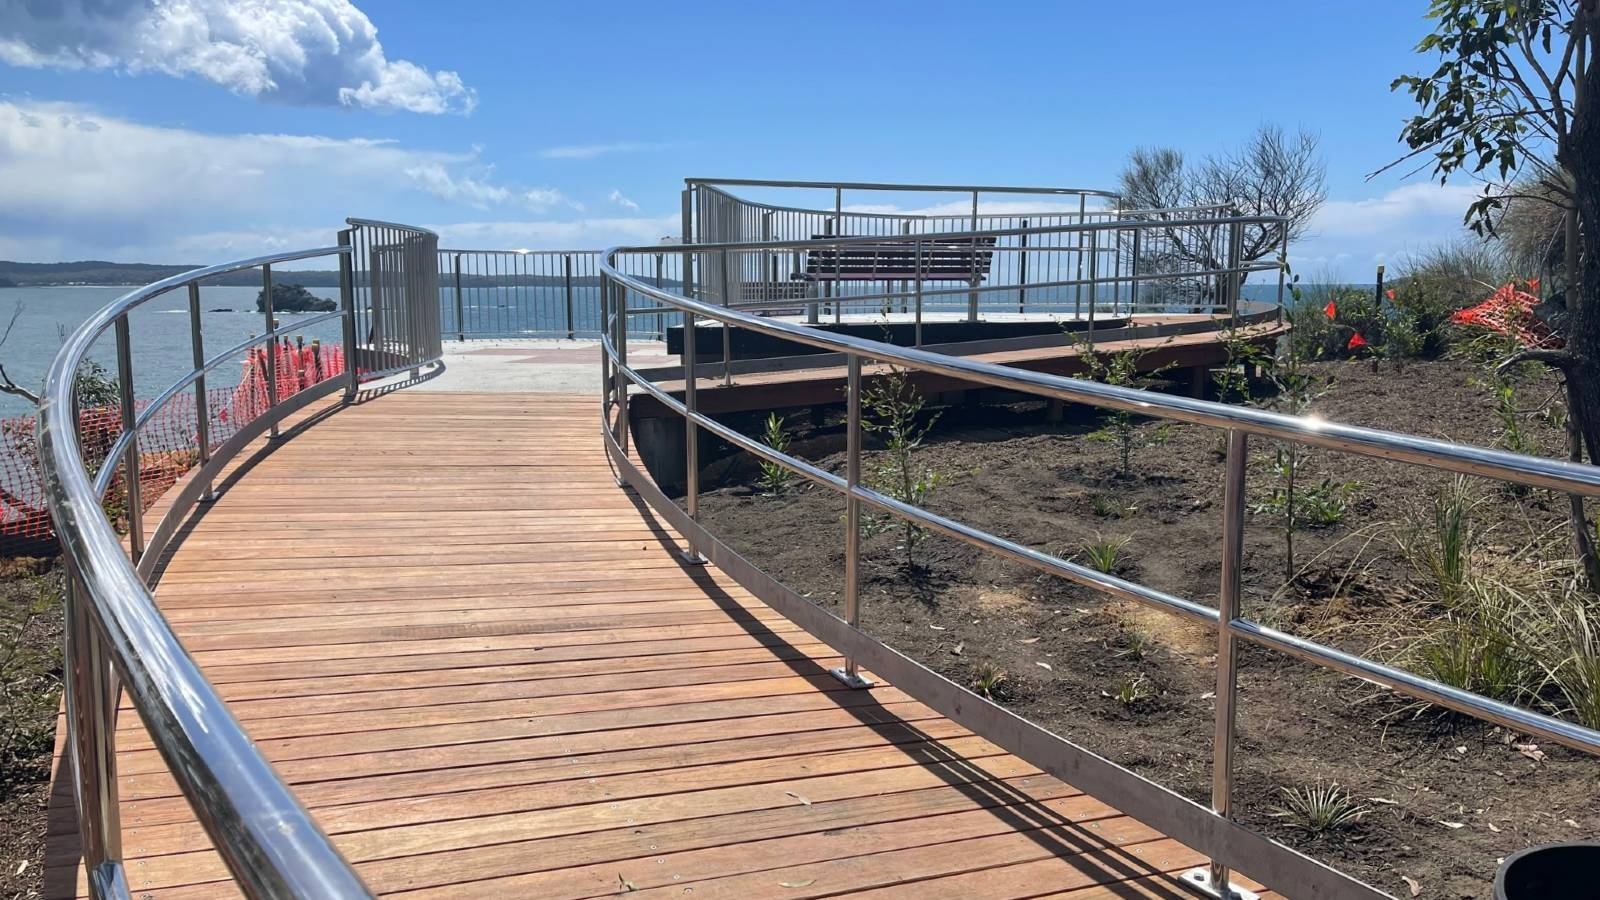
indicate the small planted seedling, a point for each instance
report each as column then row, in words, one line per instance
column 989, row 681
column 1108, row 507
column 1319, row 810
column 775, row 479
column 1105, row 554
column 1133, row 691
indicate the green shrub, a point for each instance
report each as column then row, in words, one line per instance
column 775, row 479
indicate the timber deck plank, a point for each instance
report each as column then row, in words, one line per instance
column 486, row 672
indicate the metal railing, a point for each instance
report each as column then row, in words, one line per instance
column 1213, row 831
column 519, row 293
column 1047, row 266
column 116, row 638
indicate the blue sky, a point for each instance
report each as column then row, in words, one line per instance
column 199, row 130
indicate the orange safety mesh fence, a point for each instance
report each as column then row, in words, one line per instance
column 1510, row 312
column 168, row 444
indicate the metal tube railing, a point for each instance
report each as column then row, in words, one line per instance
column 116, row 635
column 1238, row 422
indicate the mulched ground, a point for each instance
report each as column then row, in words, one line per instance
column 1447, row 799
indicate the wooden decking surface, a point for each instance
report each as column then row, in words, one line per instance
column 484, row 669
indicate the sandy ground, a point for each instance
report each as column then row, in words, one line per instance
column 548, row 367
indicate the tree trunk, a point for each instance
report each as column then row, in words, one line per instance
column 1579, row 154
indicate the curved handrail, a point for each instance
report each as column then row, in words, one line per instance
column 1214, row 832
column 267, row 839
column 886, row 186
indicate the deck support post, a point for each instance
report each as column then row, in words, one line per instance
column 849, row 673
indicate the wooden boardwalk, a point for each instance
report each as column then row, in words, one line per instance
column 485, row 670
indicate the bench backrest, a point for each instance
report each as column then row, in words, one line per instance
column 942, row 259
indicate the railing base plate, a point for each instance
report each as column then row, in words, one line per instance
column 851, row 680
column 1200, row 879
column 693, row 557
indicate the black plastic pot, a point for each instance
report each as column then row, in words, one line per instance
column 1551, row 871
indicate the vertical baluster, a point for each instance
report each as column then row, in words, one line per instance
column 272, row 347
column 1133, row 273
column 347, row 305
column 1235, row 277
column 130, row 455
column 202, row 411
column 461, row 319
column 1022, row 271
column 849, row 673
column 566, row 277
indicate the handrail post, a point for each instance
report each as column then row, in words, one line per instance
column 1216, row 877
column 972, row 296
column 130, row 456
column 202, row 411
column 1283, row 269
column 461, row 324
column 1133, row 273
column 347, row 303
column 1094, row 283
column 619, row 314
column 91, row 719
column 661, row 318
column 727, row 330
column 918, row 335
column 691, row 438
column 1022, row 273
column 566, row 273
column 272, row 346
column 1083, row 207
column 849, row 673
column 1235, row 277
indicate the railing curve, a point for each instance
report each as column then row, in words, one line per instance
column 1211, row 831
column 116, row 637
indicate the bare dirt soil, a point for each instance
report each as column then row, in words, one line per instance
column 1445, row 798
column 30, row 679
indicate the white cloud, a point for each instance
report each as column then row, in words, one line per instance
column 619, row 199
column 438, row 181
column 547, row 198
column 590, row 151
column 580, row 234
column 314, row 52
column 1349, row 238
column 77, row 184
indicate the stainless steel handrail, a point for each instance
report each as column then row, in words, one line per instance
column 1238, row 422
column 887, row 186
column 117, row 637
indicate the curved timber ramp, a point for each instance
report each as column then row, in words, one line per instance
column 486, row 670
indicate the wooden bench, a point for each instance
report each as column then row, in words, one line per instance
column 893, row 259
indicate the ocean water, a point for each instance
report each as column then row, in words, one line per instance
column 158, row 333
